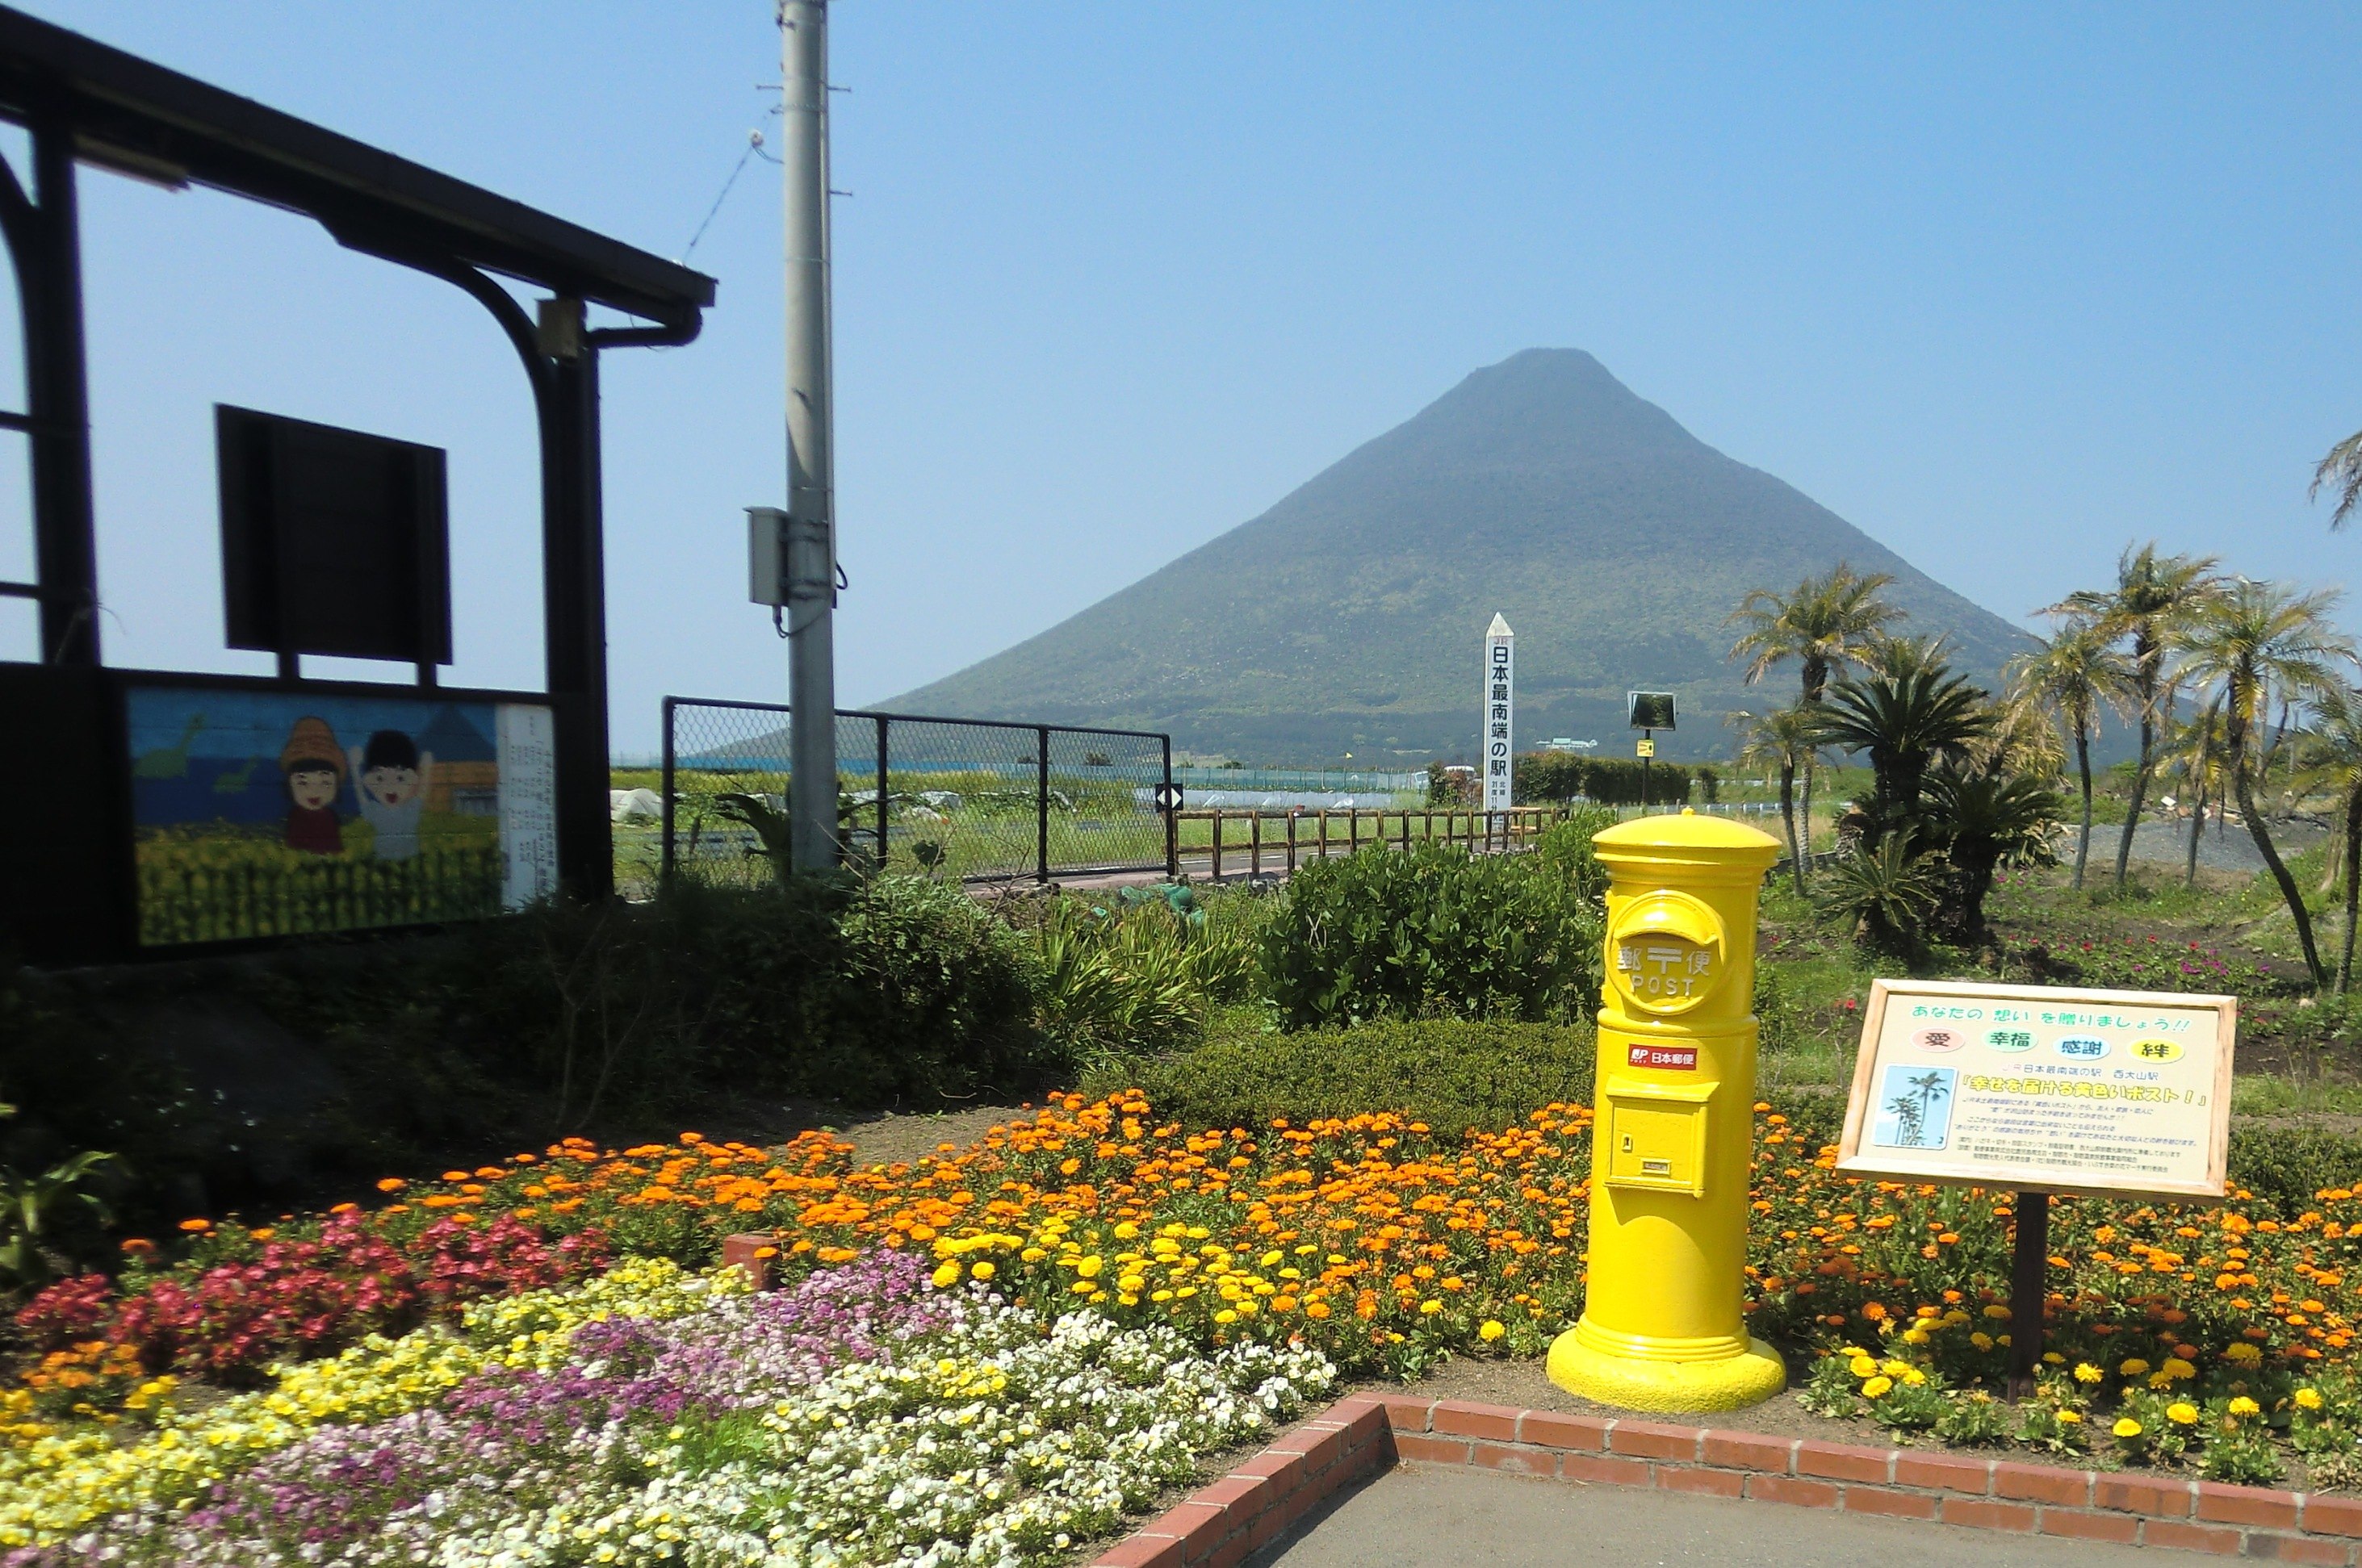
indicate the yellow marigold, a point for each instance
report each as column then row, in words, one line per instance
column 1490, row 1331
column 2308, row 1398
column 2127, row 1427
column 2133, row 1367
column 2087, row 1372
column 946, row 1275
column 2181, row 1413
column 1877, row 1386
column 2243, row 1406
column 981, row 1270
column 2243, row 1352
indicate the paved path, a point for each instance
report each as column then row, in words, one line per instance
column 1419, row 1518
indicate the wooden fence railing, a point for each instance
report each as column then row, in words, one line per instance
column 1291, row 836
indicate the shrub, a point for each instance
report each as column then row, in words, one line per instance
column 1117, row 982
column 1452, row 1074
column 1567, row 848
column 1613, row 781
column 1433, row 931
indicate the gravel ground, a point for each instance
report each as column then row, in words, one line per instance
column 2222, row 849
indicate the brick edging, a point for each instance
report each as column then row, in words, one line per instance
column 1951, row 1487
column 1221, row 1523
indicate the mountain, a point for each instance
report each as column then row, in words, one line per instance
column 1349, row 617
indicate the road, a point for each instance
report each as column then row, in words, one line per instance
column 1421, row 1518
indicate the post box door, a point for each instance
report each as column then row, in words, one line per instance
column 1656, row 1137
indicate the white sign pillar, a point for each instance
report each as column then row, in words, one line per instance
column 1500, row 688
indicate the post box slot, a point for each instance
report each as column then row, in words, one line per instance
column 1657, row 1136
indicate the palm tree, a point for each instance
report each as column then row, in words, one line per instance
column 2335, row 755
column 2261, row 643
column 2342, row 468
column 1781, row 738
column 1929, row 1088
column 2153, row 595
column 2196, row 755
column 2069, row 678
column 1828, row 622
column 1907, row 724
column 1907, row 1120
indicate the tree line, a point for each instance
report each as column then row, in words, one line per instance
column 2240, row 693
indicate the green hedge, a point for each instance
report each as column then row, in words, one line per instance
column 1432, row 931
column 1450, row 1073
column 1547, row 776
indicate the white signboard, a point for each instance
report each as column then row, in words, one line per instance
column 527, row 741
column 1500, row 684
column 2043, row 1087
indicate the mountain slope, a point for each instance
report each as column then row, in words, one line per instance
column 1348, row 618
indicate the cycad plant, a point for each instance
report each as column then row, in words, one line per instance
column 2256, row 645
column 1986, row 817
column 2069, row 678
column 1908, row 723
column 1885, row 893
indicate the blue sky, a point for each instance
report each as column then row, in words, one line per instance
column 2006, row 287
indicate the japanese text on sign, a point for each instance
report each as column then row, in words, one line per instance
column 2038, row 1088
column 1500, row 682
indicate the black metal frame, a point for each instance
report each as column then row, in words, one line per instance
column 1041, row 733
column 85, row 101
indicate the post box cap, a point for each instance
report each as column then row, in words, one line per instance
column 1688, row 837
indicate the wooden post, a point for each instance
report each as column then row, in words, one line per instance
column 1293, row 812
column 1324, row 833
column 1218, row 844
column 2029, row 1290
column 1353, row 831
column 1255, row 845
column 1406, row 833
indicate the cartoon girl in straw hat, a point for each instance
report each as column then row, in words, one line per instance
column 312, row 765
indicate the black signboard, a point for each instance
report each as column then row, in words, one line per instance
column 333, row 541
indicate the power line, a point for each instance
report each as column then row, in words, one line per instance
column 754, row 145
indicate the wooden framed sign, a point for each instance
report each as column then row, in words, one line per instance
column 2042, row 1089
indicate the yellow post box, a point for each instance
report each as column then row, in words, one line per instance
column 1672, row 1139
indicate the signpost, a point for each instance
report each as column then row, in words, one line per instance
column 1500, row 686
column 2041, row 1090
column 1648, row 712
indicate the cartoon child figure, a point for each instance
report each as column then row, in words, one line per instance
column 312, row 766
column 393, row 779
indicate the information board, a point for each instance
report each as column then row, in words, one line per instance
column 2042, row 1088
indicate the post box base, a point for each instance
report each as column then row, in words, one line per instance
column 1727, row 1383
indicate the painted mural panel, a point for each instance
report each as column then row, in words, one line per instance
column 267, row 813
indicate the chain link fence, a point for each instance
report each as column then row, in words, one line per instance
column 962, row 798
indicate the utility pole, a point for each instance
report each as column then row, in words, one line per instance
column 811, row 464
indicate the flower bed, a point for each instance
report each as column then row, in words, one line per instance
column 2214, row 1336
column 859, row 1417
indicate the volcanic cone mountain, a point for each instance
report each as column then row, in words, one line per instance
column 1347, row 619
